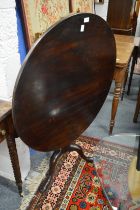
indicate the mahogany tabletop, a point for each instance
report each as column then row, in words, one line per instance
column 64, row 82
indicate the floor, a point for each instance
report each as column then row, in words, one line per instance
column 124, row 117
column 9, row 198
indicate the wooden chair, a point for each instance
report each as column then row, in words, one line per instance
column 63, row 84
column 124, row 23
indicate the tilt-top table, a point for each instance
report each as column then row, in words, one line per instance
column 124, row 46
column 63, row 84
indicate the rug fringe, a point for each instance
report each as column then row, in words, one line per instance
column 32, row 183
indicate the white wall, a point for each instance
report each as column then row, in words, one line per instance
column 9, row 68
column 101, row 9
column 9, row 56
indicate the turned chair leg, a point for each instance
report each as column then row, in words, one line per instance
column 15, row 161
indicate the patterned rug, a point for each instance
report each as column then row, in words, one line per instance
column 75, row 185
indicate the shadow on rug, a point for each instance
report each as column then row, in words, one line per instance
column 75, row 184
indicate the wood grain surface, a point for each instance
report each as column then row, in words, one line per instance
column 64, row 82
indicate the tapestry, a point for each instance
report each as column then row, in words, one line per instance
column 82, row 6
column 39, row 15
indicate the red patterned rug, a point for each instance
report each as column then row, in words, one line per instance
column 75, row 185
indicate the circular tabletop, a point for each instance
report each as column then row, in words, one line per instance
column 64, row 81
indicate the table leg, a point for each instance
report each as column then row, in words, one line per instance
column 126, row 76
column 10, row 138
column 115, row 103
column 15, row 161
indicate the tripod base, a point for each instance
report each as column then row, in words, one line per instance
column 53, row 160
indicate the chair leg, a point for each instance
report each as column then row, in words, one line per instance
column 137, row 108
column 134, row 61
